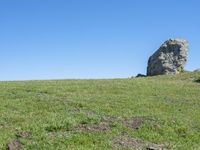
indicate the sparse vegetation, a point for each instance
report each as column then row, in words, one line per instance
column 161, row 111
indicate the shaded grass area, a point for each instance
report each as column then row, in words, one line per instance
column 92, row 114
column 197, row 80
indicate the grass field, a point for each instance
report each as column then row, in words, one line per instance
column 139, row 113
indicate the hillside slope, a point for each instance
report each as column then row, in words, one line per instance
column 158, row 112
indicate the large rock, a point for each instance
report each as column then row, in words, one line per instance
column 169, row 59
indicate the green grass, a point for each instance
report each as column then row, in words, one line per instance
column 51, row 111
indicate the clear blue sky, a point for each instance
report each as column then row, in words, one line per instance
column 60, row 39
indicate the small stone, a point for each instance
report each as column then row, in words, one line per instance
column 140, row 75
column 154, row 148
column 24, row 134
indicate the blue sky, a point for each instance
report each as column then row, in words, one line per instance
column 61, row 39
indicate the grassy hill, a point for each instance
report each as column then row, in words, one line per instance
column 139, row 113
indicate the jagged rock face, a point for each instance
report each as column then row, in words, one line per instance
column 169, row 59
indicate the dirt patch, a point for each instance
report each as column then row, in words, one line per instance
column 134, row 123
column 24, row 134
column 101, row 127
column 125, row 141
column 15, row 145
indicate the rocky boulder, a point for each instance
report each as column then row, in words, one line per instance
column 140, row 75
column 169, row 59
